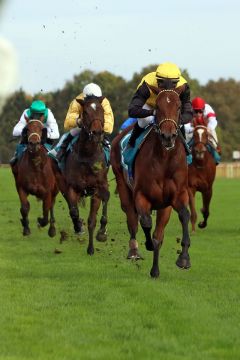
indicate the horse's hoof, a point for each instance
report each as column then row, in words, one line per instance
column 101, row 236
column 51, row 232
column 26, row 232
column 149, row 245
column 90, row 251
column 133, row 254
column 154, row 273
column 41, row 222
column 183, row 262
column 202, row 225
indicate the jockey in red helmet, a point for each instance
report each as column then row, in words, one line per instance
column 203, row 115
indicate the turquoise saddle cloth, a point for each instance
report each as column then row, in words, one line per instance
column 61, row 164
column 128, row 154
column 213, row 152
column 21, row 148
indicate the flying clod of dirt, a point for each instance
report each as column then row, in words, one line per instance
column 63, row 236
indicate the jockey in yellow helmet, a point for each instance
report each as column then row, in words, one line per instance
column 143, row 103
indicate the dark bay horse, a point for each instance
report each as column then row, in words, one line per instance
column 160, row 181
column 85, row 172
column 34, row 176
column 201, row 175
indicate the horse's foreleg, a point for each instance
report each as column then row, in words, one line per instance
column 183, row 260
column 25, row 207
column 72, row 200
column 127, row 206
column 162, row 219
column 143, row 207
column 206, row 197
column 46, row 206
column 102, row 232
column 193, row 213
column 92, row 219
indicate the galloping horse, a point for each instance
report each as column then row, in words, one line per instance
column 85, row 172
column 160, row 181
column 34, row 176
column 201, row 175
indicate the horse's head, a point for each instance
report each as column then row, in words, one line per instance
column 200, row 140
column 92, row 117
column 168, row 106
column 35, row 133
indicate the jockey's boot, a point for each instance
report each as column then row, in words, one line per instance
column 106, row 143
column 63, row 147
column 137, row 130
column 183, row 139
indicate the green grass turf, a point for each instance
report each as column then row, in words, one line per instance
column 73, row 306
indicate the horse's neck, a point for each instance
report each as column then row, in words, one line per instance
column 38, row 158
column 88, row 148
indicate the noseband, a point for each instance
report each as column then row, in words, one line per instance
column 158, row 126
column 34, row 133
column 90, row 133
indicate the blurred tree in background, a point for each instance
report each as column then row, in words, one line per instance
column 222, row 95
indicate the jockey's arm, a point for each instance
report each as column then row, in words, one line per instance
column 108, row 116
column 188, row 128
column 52, row 126
column 18, row 128
column 211, row 117
column 135, row 109
column 74, row 112
column 186, row 109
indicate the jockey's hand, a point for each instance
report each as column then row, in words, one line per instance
column 79, row 121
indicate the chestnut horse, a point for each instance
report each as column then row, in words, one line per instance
column 160, row 181
column 34, row 176
column 201, row 175
column 85, row 172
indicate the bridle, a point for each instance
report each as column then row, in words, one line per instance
column 34, row 133
column 200, row 142
column 158, row 126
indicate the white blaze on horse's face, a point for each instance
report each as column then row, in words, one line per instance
column 168, row 100
column 200, row 133
column 94, row 106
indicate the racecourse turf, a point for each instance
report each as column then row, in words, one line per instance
column 56, row 302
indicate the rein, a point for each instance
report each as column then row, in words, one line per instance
column 34, row 133
column 91, row 133
column 167, row 119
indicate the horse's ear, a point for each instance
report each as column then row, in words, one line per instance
column 80, row 101
column 154, row 89
column 100, row 98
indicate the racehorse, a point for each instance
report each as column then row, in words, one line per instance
column 85, row 171
column 160, row 181
column 201, row 175
column 34, row 176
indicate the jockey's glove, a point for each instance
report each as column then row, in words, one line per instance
column 79, row 121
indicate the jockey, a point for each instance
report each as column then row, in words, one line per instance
column 36, row 110
column 72, row 122
column 142, row 105
column 203, row 115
